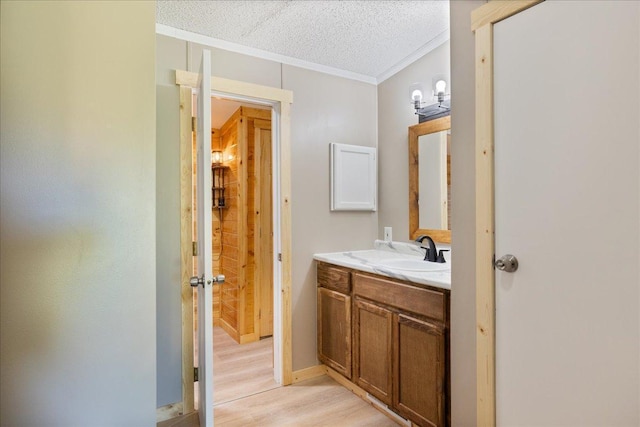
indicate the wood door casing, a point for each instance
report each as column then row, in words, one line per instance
column 282, row 99
column 334, row 330
column 372, row 349
column 188, row 232
column 419, row 370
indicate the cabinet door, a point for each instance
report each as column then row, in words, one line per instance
column 372, row 350
column 419, row 371
column 334, row 330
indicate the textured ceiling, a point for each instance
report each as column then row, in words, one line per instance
column 364, row 37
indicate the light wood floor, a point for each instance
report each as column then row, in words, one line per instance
column 316, row 402
column 240, row 370
column 245, row 393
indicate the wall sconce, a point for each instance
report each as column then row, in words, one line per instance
column 417, row 92
column 439, row 90
column 216, row 158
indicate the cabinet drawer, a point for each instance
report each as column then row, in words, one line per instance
column 404, row 297
column 334, row 278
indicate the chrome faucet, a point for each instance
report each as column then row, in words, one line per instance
column 432, row 254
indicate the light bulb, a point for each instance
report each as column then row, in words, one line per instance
column 441, row 85
column 216, row 157
column 417, row 91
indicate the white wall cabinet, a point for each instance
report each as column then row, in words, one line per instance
column 354, row 177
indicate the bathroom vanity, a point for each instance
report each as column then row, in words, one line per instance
column 387, row 329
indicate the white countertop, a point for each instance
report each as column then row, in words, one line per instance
column 368, row 261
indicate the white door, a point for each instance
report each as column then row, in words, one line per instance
column 205, row 289
column 567, row 124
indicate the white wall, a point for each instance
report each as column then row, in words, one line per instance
column 325, row 109
column 463, row 312
column 395, row 115
column 77, row 242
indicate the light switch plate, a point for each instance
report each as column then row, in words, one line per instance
column 387, row 234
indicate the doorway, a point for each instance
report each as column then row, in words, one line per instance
column 277, row 101
column 241, row 144
column 242, row 218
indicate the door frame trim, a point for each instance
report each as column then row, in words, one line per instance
column 482, row 21
column 186, row 248
column 281, row 101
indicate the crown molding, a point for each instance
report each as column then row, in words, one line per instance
column 189, row 36
column 437, row 41
column 177, row 33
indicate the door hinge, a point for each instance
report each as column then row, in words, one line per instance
column 194, row 248
column 195, row 374
column 193, row 124
column 280, row 257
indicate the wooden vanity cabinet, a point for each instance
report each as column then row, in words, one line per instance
column 416, row 326
column 398, row 338
column 334, row 318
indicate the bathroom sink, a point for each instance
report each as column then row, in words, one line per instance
column 417, row 265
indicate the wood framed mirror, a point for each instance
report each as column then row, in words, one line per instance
column 434, row 218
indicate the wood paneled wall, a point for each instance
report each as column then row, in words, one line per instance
column 216, row 230
column 230, row 226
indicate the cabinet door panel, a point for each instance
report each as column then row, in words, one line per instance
column 419, row 368
column 334, row 330
column 372, row 352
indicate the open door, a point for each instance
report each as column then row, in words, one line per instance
column 204, row 281
column 281, row 101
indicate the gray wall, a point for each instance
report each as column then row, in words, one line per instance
column 395, row 115
column 168, row 314
column 326, row 109
column 463, row 350
column 77, row 246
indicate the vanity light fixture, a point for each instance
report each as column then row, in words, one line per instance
column 429, row 110
column 216, row 158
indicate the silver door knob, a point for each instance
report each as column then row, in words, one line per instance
column 216, row 279
column 195, row 281
column 507, row 263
